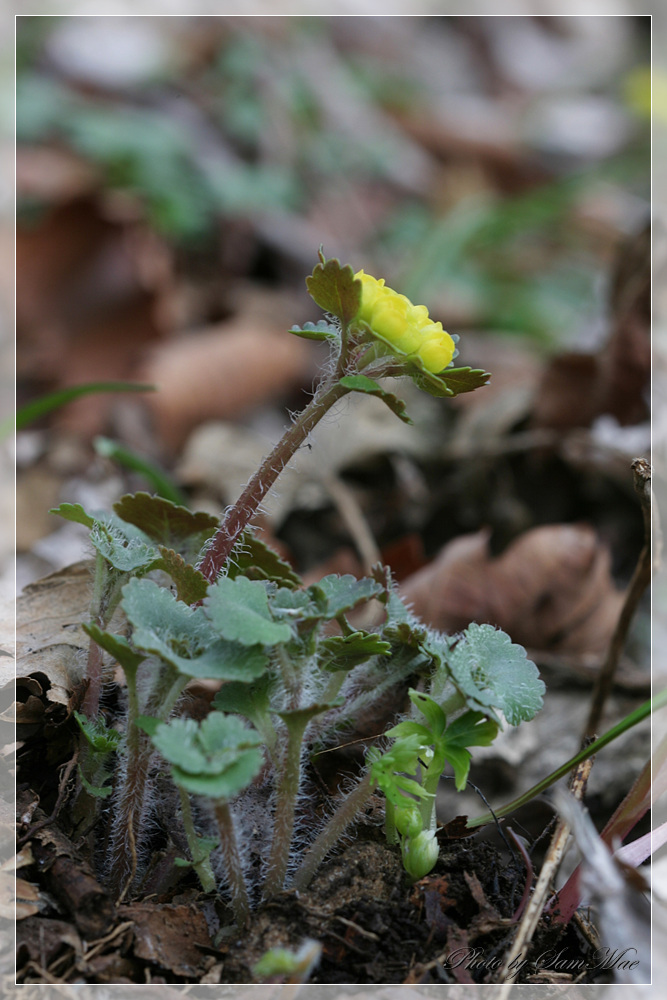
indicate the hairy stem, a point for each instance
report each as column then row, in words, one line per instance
column 232, row 863
column 334, row 829
column 283, row 825
column 247, row 504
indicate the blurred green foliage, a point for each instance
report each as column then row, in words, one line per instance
column 261, row 138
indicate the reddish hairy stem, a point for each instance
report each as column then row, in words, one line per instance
column 247, row 504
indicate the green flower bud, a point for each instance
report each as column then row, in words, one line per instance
column 420, row 854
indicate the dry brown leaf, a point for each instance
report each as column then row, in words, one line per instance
column 219, row 372
column 169, row 935
column 50, row 639
column 41, row 940
column 550, row 589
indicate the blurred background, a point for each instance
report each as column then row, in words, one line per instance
column 175, row 178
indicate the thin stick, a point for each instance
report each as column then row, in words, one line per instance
column 638, row 584
column 62, row 787
column 553, row 859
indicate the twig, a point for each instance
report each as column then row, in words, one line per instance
column 553, row 859
column 62, row 788
column 638, row 584
column 354, row 520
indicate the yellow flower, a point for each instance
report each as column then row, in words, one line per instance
column 394, row 319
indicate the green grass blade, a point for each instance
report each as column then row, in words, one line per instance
column 45, row 404
column 153, row 473
column 621, row 727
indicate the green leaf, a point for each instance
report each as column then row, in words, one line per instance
column 430, row 710
column 345, row 652
column 316, row 331
column 153, row 473
column 100, row 738
column 191, row 585
column 117, row 646
column 204, row 847
column 451, row 381
column 294, row 605
column 493, row 672
column 183, row 637
column 334, row 595
column 217, row 757
column 470, row 729
column 125, row 547
column 335, row 289
column 239, row 610
column 97, row 791
column 167, row 524
column 361, row 383
column 250, row 700
column 148, row 724
column 252, row 558
column 73, row 512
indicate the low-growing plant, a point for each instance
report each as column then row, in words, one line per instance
column 208, row 600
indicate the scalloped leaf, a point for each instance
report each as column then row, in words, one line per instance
column 124, row 546
column 335, row 289
column 316, row 331
column 340, row 652
column 217, row 757
column 334, row 595
column 184, row 637
column 191, row 585
column 451, row 381
column 253, row 558
column 239, row 610
column 493, row 672
column 361, row 383
column 73, row 512
column 167, row 523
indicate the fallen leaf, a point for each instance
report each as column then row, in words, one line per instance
column 49, row 635
column 550, row 589
column 221, row 372
column 41, row 940
column 169, row 935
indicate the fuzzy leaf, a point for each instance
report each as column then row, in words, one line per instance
column 167, row 524
column 100, row 738
column 493, row 672
column 191, row 585
column 335, row 594
column 124, row 546
column 345, row 652
column 217, row 757
column 335, row 289
column 252, row 558
column 183, row 637
column 117, row 646
column 361, row 383
column 250, row 700
column 294, row 605
column 73, row 512
column 316, row 331
column 239, row 610
column 451, row 381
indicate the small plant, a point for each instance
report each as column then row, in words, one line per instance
column 203, row 599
